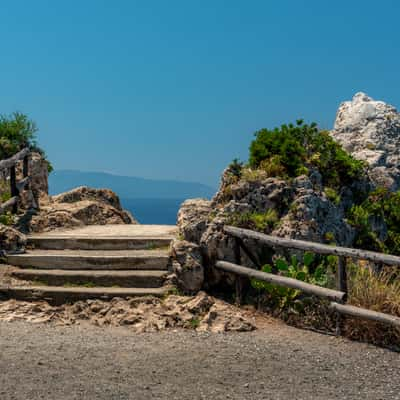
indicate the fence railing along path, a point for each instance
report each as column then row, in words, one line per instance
column 15, row 187
column 337, row 297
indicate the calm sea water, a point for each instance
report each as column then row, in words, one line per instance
column 153, row 211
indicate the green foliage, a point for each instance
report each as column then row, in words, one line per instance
column 16, row 132
column 292, row 150
column 332, row 195
column 7, row 219
column 380, row 205
column 5, row 192
column 283, row 297
column 235, row 168
column 262, row 222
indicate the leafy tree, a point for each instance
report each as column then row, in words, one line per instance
column 16, row 132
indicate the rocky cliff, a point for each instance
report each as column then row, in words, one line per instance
column 303, row 207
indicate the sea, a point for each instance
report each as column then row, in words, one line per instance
column 153, row 211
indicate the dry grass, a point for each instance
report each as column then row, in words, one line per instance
column 377, row 291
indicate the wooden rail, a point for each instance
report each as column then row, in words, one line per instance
column 15, row 187
column 338, row 297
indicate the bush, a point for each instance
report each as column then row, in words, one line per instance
column 262, row 222
column 380, row 205
column 378, row 292
column 293, row 150
column 16, row 132
column 283, row 298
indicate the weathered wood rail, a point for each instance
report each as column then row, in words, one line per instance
column 337, row 297
column 15, row 187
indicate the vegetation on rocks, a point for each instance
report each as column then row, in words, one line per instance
column 17, row 131
column 377, row 221
column 294, row 150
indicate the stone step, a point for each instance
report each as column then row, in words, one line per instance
column 92, row 259
column 97, row 243
column 57, row 277
column 60, row 295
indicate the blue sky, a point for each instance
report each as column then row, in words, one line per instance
column 175, row 89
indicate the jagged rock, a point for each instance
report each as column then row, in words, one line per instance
column 314, row 218
column 370, row 131
column 222, row 318
column 81, row 206
column 81, row 193
column 11, row 240
column 192, row 218
column 188, row 265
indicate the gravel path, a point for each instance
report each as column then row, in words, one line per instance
column 39, row 361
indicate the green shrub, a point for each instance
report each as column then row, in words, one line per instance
column 262, row 222
column 7, row 219
column 283, row 297
column 332, row 195
column 292, row 150
column 235, row 168
column 16, row 132
column 380, row 204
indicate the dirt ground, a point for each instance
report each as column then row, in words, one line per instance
column 45, row 361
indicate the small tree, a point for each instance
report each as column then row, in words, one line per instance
column 16, row 132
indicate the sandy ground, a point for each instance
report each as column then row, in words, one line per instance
column 44, row 361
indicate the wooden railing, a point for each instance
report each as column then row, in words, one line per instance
column 337, row 297
column 15, row 187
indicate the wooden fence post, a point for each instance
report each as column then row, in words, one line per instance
column 13, row 187
column 341, row 284
column 25, row 169
column 238, row 279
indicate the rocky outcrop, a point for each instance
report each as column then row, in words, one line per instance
column 300, row 208
column 11, row 240
column 188, row 266
column 370, row 131
column 78, row 207
column 193, row 217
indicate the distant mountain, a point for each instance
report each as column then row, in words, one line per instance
column 128, row 187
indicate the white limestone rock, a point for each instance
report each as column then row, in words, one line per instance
column 370, row 131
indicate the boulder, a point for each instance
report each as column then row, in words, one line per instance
column 188, row 266
column 370, row 131
column 11, row 240
column 193, row 218
column 78, row 207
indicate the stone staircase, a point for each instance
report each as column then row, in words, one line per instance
column 94, row 262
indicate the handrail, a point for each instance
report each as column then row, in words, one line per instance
column 16, row 187
column 341, row 281
column 319, row 248
column 281, row 281
column 10, row 162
